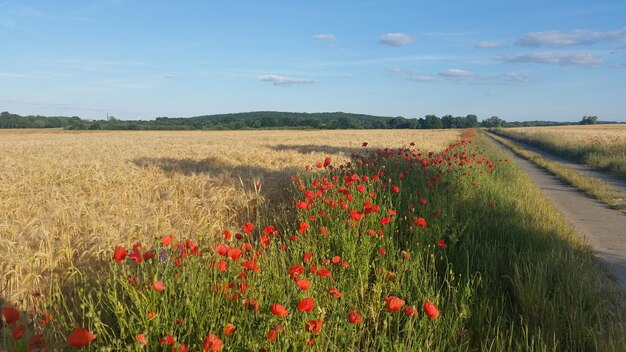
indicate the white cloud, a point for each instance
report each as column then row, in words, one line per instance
column 395, row 39
column 411, row 75
column 557, row 39
column 488, row 45
column 324, row 37
column 455, row 72
column 580, row 59
column 283, row 80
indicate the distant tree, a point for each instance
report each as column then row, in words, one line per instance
column 589, row 120
column 493, row 121
column 432, row 122
column 448, row 121
column 471, row 121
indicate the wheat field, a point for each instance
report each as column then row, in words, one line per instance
column 68, row 197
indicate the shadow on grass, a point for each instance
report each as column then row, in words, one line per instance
column 322, row 148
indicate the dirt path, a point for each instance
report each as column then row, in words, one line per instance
column 602, row 227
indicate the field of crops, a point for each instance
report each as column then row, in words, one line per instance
column 599, row 146
column 324, row 241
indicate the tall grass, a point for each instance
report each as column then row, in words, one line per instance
column 505, row 271
column 601, row 147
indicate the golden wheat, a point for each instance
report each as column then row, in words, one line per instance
column 68, row 197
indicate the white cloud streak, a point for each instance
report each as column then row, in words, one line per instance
column 283, row 80
column 557, row 39
column 579, row 59
column 325, row 37
column 488, row 45
column 455, row 73
column 395, row 39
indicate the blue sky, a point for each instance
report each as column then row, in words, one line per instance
column 520, row 60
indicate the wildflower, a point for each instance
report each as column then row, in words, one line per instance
column 419, row 222
column 11, row 315
column 158, row 286
column 303, row 284
column 410, row 311
column 151, row 315
column 211, row 343
column 313, row 326
column 18, row 332
column 167, row 240
column 323, row 272
column 80, row 338
column 279, row 310
column 431, row 310
column 306, row 305
column 394, row 303
column 386, row 220
column 333, row 291
column 229, row 329
column 336, row 259
column 442, row 243
column 354, row 317
column 355, row 215
column 327, row 161
column 248, row 227
column 167, row 340
column 141, row 339
column 119, row 254
column 303, row 227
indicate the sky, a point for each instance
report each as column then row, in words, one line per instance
column 135, row 59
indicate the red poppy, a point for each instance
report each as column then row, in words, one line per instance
column 119, row 254
column 234, row 253
column 151, row 315
column 442, row 243
column 229, row 329
column 355, row 215
column 336, row 259
column 303, row 227
column 167, row 240
column 395, row 189
column 394, row 303
column 296, row 270
column 327, row 161
column 306, row 305
column 211, row 343
column 382, row 251
column 18, row 332
column 279, row 309
column 313, row 326
column 11, row 315
column 158, row 286
column 303, row 284
column 385, row 220
column 410, row 311
column 141, row 339
column 419, row 222
column 423, row 201
column 431, row 310
column 248, row 227
column 323, row 272
column 35, row 341
column 80, row 338
column 354, row 317
column 167, row 340
column 333, row 291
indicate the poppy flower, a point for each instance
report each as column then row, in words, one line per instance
column 306, row 305
column 248, row 227
column 394, row 303
column 355, row 215
column 303, row 284
column 11, row 315
column 386, row 220
column 80, row 338
column 423, row 201
column 313, row 326
column 410, row 311
column 229, row 329
column 151, row 315
column 119, row 254
column 222, row 265
column 141, row 339
column 354, row 317
column 18, row 332
column 420, row 222
column 336, row 259
column 296, row 270
column 431, row 310
column 333, row 291
column 327, row 161
column 35, row 341
column 271, row 335
column 323, row 272
column 167, row 240
column 442, row 243
column 279, row 309
column 234, row 253
column 211, row 343
column 167, row 340
column 158, row 286
column 303, row 227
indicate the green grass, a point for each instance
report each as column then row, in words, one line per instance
column 594, row 187
column 610, row 157
column 515, row 275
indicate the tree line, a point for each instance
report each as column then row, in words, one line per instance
column 269, row 120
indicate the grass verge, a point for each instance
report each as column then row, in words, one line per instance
column 593, row 187
column 393, row 251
